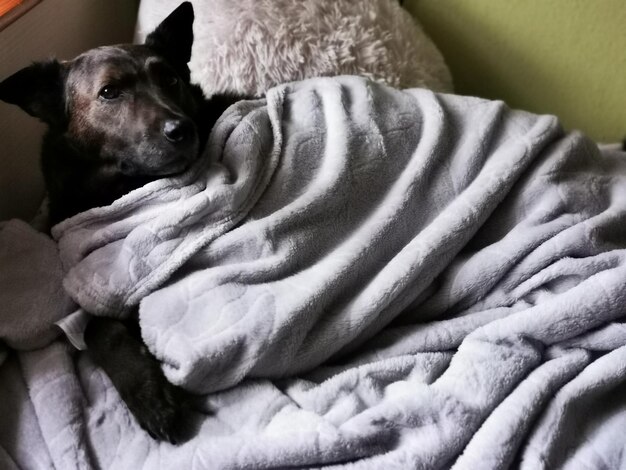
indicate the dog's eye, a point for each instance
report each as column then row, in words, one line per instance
column 109, row 92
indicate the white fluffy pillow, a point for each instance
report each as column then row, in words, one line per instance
column 248, row 46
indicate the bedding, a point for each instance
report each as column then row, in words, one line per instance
column 353, row 276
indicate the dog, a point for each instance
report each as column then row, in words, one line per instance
column 119, row 117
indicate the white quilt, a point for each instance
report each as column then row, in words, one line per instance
column 360, row 276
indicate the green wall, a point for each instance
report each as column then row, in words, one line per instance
column 563, row 57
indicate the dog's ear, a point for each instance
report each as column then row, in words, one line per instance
column 173, row 38
column 39, row 90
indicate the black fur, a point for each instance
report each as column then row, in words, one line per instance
column 38, row 90
column 119, row 117
column 71, row 174
column 173, row 39
column 160, row 408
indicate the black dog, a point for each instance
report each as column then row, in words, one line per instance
column 119, row 117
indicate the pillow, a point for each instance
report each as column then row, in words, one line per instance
column 31, row 290
column 249, row 46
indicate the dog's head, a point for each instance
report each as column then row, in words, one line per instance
column 129, row 109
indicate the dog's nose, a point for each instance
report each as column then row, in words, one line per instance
column 177, row 130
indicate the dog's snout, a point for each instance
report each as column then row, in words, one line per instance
column 178, row 130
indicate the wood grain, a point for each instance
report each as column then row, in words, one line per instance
column 11, row 10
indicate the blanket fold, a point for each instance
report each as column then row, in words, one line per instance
column 354, row 220
column 360, row 277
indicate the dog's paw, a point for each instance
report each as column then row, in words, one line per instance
column 160, row 408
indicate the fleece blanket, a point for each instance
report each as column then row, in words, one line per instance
column 354, row 276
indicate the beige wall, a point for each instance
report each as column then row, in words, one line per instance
column 53, row 28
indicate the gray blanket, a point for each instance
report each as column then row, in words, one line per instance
column 356, row 276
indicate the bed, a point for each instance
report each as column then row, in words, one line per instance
column 354, row 276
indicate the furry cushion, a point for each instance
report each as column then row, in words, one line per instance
column 249, row 46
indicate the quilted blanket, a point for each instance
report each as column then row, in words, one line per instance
column 353, row 276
